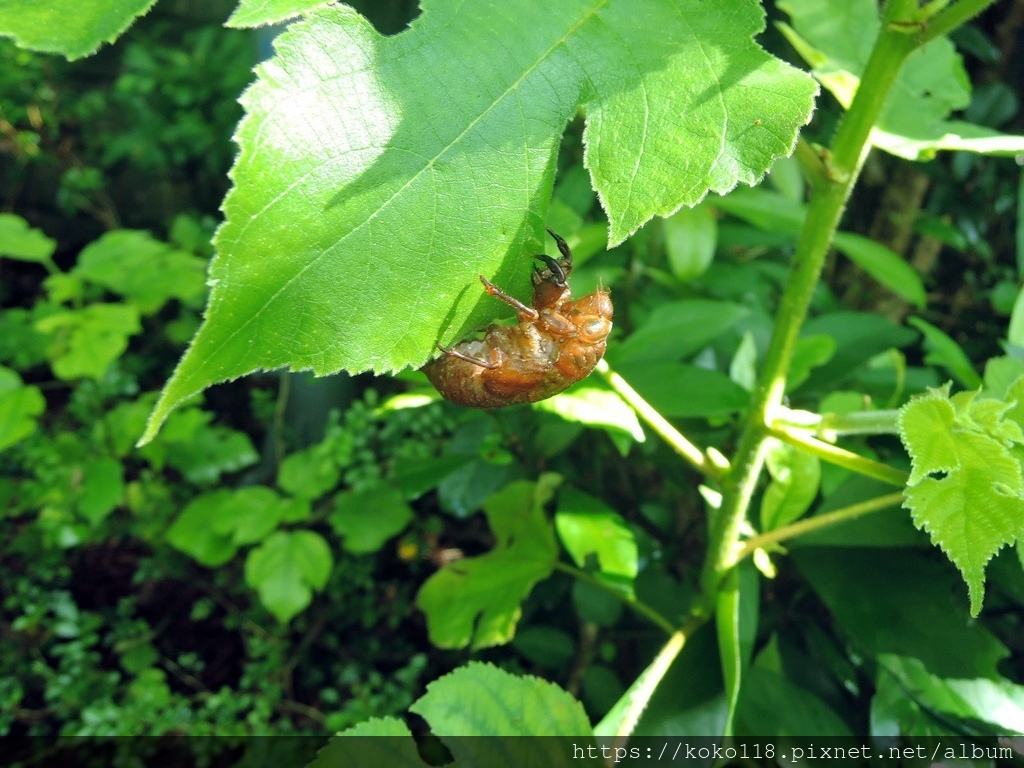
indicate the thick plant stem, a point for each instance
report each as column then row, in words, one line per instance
column 828, row 200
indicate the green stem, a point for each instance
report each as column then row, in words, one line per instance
column 858, row 423
column 841, row 457
column 691, row 453
column 818, row 522
column 829, row 426
column 952, row 17
column 640, row 607
column 651, row 678
column 826, row 207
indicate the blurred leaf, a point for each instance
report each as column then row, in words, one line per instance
column 944, row 351
column 214, row 525
column 462, row 491
column 931, row 84
column 201, row 451
column 86, row 341
column 70, row 28
column 20, row 241
column 360, row 221
column 788, row 178
column 998, row 703
column 587, row 526
column 21, row 343
column 368, row 518
column 901, row 601
column 102, row 489
column 19, row 408
column 598, row 408
column 251, row 514
column 546, row 647
column 858, row 337
column 678, row 329
column 677, row 390
column 417, row 476
column 767, row 210
column 286, row 569
column 193, row 531
column 475, row 601
column 773, row 704
column 1015, row 333
column 596, row 605
column 743, row 367
column 690, row 238
column 883, row 264
column 809, row 353
column 794, row 486
column 142, row 269
column 310, row 473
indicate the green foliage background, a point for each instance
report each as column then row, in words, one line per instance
column 289, row 554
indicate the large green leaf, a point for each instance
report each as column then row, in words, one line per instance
column 476, row 600
column 379, row 177
column 480, row 699
column 476, row 700
column 836, row 40
column 69, row 27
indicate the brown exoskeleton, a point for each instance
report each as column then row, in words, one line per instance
column 556, row 343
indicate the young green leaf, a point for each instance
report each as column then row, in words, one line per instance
column 966, row 487
column 380, row 176
column 475, row 601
